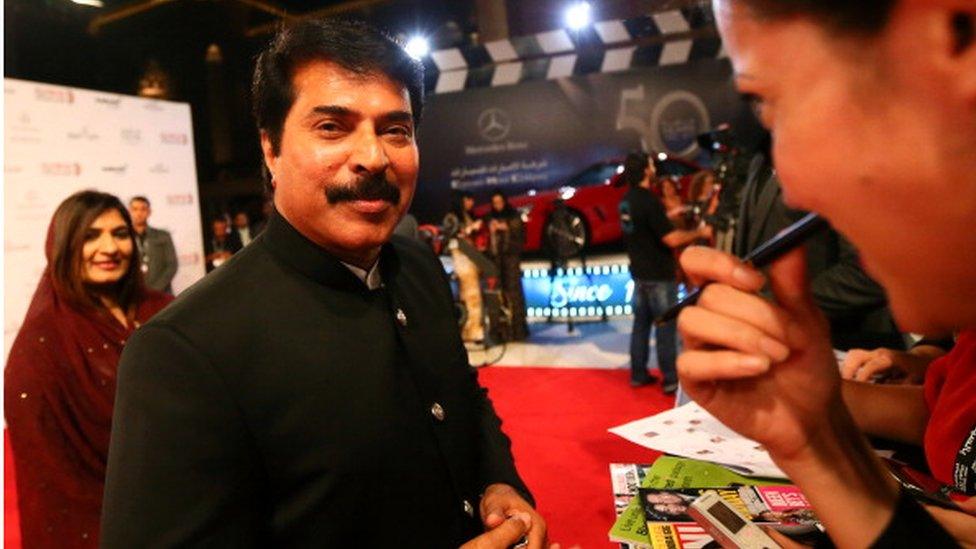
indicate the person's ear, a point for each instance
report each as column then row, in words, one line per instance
column 268, row 152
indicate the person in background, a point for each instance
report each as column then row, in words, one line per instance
column 243, row 229
column 350, row 412
column 650, row 238
column 856, row 306
column 157, row 255
column 507, row 240
column 872, row 105
column 59, row 383
column 465, row 241
column 222, row 244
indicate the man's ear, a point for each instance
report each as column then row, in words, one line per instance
column 267, row 151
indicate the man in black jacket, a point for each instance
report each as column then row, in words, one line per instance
column 348, row 414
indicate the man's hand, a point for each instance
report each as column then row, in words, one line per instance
column 502, row 501
column 908, row 367
column 504, row 535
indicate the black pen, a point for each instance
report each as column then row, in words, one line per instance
column 784, row 241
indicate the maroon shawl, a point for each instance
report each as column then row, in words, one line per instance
column 59, row 390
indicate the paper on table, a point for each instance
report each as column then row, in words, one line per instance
column 692, row 432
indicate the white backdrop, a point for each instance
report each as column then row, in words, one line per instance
column 59, row 140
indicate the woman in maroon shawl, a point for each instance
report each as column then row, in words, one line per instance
column 60, row 377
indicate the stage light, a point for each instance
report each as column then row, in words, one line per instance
column 417, row 47
column 578, row 15
column 92, row 3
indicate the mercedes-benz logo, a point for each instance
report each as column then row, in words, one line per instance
column 494, row 124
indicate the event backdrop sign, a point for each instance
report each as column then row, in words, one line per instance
column 535, row 135
column 59, row 140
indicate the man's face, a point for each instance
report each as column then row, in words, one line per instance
column 139, row 212
column 347, row 167
column 220, row 228
column 241, row 221
column 851, row 142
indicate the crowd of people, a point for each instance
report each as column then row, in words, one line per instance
column 136, row 420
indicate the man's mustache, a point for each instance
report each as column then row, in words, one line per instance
column 374, row 187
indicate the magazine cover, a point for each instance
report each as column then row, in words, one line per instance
column 670, row 526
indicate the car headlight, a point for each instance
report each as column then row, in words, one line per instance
column 567, row 192
column 524, row 212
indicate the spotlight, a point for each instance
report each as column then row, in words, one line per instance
column 417, row 47
column 578, row 15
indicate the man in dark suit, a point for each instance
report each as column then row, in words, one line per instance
column 156, row 250
column 348, row 415
column 855, row 305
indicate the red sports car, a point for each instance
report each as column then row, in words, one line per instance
column 583, row 212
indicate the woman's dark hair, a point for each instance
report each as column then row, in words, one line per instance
column 67, row 239
column 634, row 167
column 457, row 202
column 508, row 208
column 353, row 45
column 865, row 17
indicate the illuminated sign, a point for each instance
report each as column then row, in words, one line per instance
column 578, row 292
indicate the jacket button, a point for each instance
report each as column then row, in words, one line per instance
column 401, row 317
column 468, row 508
column 437, row 411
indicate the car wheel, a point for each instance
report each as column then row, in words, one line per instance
column 565, row 233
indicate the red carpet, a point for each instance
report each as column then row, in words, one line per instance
column 558, row 420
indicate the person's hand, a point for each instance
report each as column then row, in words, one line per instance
column 706, row 231
column 863, row 365
column 961, row 525
column 504, row 535
column 502, row 501
column 765, row 369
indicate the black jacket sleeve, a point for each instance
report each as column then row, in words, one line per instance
column 181, row 468
column 911, row 526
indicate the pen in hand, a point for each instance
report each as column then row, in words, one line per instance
column 784, row 241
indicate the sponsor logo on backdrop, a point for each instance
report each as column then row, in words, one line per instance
column 494, row 124
column 12, row 168
column 159, row 168
column 677, row 119
column 189, row 259
column 131, row 136
column 173, row 138
column 179, row 199
column 9, row 91
column 118, row 170
column 83, row 134
column 54, row 95
column 23, row 130
column 671, row 125
column 28, row 202
column 106, row 101
column 71, row 169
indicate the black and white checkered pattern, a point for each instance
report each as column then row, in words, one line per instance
column 605, row 46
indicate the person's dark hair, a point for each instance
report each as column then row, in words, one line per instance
column 457, row 202
column 65, row 262
column 353, row 45
column 864, row 17
column 634, row 167
column 140, row 198
column 508, row 208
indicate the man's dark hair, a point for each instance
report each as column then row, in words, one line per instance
column 859, row 17
column 635, row 165
column 353, row 45
column 140, row 198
